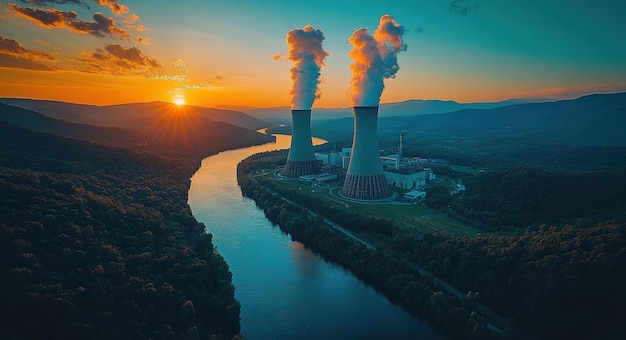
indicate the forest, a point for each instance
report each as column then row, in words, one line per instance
column 98, row 242
column 548, row 280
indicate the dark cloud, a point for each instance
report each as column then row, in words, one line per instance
column 14, row 55
column 100, row 27
column 118, row 60
column 131, row 54
column 48, row 17
column 463, row 7
column 55, row 2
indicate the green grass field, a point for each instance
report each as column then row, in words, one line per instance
column 416, row 217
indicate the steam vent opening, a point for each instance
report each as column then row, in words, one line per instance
column 365, row 178
column 301, row 159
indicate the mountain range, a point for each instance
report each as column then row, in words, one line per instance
column 598, row 120
column 134, row 115
column 413, row 107
column 161, row 128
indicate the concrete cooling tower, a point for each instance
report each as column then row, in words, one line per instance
column 365, row 178
column 301, row 159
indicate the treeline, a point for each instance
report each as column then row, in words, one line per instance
column 519, row 197
column 528, row 152
column 559, row 282
column 98, row 242
column 397, row 278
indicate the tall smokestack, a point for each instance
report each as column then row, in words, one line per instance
column 307, row 53
column 400, row 146
column 375, row 58
column 365, row 178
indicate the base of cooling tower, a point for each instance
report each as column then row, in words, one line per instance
column 366, row 187
column 301, row 168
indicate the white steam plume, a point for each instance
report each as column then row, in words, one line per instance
column 375, row 58
column 307, row 53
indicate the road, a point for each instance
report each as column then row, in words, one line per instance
column 497, row 321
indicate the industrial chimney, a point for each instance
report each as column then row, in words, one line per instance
column 301, row 159
column 365, row 178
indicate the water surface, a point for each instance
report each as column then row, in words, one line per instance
column 285, row 290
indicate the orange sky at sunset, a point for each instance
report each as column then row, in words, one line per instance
column 221, row 53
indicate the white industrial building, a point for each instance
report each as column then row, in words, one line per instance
column 339, row 159
column 414, row 195
column 409, row 180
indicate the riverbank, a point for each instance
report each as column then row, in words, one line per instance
column 286, row 290
column 393, row 276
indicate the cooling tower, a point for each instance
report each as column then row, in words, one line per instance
column 365, row 178
column 301, row 159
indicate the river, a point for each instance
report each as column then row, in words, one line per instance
column 285, row 290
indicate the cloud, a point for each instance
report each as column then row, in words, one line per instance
column 47, row 18
column 55, row 2
column 115, row 6
column 116, row 59
column 463, row 7
column 307, row 53
column 277, row 56
column 143, row 40
column 14, row 55
column 181, row 74
column 374, row 59
column 100, row 27
column 133, row 22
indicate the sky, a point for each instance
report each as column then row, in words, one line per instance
column 229, row 52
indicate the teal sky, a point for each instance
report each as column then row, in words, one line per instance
column 493, row 50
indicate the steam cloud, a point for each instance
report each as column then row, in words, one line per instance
column 375, row 58
column 307, row 53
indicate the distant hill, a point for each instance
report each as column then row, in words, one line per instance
column 38, row 122
column 176, row 133
column 598, row 120
column 131, row 115
column 407, row 108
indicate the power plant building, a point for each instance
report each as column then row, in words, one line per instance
column 365, row 178
column 338, row 159
column 301, row 159
column 409, row 179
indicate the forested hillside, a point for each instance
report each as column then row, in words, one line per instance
column 98, row 242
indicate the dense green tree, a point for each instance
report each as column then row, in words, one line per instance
column 99, row 242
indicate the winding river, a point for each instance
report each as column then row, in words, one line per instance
column 285, row 290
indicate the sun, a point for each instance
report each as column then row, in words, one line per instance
column 179, row 101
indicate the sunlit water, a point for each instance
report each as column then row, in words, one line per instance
column 285, row 290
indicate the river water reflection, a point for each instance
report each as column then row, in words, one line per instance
column 285, row 290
